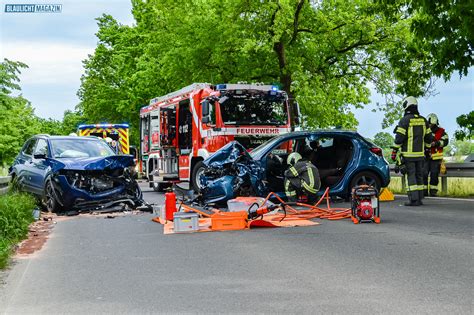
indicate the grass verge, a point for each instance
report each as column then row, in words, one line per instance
column 15, row 218
column 3, row 171
column 457, row 187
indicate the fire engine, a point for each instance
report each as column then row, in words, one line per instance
column 181, row 129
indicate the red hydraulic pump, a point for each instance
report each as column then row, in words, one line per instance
column 365, row 204
column 170, row 205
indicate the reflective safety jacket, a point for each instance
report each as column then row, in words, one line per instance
column 439, row 134
column 413, row 136
column 303, row 177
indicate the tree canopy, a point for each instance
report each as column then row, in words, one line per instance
column 443, row 32
column 16, row 113
column 325, row 54
column 18, row 121
column 383, row 140
column 466, row 124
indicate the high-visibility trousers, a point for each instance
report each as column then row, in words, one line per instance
column 431, row 170
column 414, row 178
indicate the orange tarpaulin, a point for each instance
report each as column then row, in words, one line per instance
column 271, row 221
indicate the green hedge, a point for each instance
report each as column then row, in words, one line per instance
column 15, row 217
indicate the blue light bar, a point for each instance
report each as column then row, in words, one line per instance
column 221, row 86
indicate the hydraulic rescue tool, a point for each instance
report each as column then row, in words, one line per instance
column 365, row 204
column 256, row 211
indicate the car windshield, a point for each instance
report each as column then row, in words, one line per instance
column 79, row 148
column 270, row 143
column 255, row 109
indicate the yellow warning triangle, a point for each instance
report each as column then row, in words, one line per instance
column 386, row 195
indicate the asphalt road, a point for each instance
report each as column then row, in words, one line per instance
column 419, row 260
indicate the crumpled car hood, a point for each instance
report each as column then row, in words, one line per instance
column 94, row 163
column 231, row 172
column 227, row 154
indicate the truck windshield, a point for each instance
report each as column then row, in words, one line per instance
column 260, row 109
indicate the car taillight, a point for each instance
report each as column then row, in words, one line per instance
column 376, row 151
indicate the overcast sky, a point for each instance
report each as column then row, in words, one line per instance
column 53, row 45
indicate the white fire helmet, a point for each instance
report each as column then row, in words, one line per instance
column 409, row 100
column 433, row 119
column 293, row 158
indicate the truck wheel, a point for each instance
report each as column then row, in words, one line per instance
column 197, row 171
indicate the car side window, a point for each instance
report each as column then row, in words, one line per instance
column 41, row 147
column 326, row 142
column 28, row 149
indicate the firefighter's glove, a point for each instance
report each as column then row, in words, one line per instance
column 394, row 155
column 403, row 169
column 428, row 153
column 396, row 169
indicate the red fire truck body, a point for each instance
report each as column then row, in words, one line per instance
column 181, row 129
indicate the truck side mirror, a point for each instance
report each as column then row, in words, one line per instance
column 297, row 113
column 205, row 112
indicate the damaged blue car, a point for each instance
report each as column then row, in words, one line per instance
column 344, row 160
column 231, row 172
column 76, row 174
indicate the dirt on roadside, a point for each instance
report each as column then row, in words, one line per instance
column 38, row 234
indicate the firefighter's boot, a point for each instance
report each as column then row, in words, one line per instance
column 412, row 199
column 420, row 197
column 425, row 193
column 433, row 192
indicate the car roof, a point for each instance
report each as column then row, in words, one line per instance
column 345, row 132
column 65, row 137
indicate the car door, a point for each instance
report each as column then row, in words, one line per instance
column 39, row 165
column 24, row 164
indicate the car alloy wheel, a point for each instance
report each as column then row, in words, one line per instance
column 366, row 178
column 50, row 201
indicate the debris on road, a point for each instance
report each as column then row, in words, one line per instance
column 37, row 236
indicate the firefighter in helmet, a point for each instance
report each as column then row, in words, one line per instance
column 301, row 178
column 433, row 161
column 412, row 138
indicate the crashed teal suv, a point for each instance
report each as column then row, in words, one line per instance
column 344, row 159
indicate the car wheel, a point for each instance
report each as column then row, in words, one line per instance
column 197, row 172
column 365, row 178
column 50, row 195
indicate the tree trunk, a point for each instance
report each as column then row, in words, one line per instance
column 285, row 75
column 285, row 78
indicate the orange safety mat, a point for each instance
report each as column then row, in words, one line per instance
column 269, row 221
